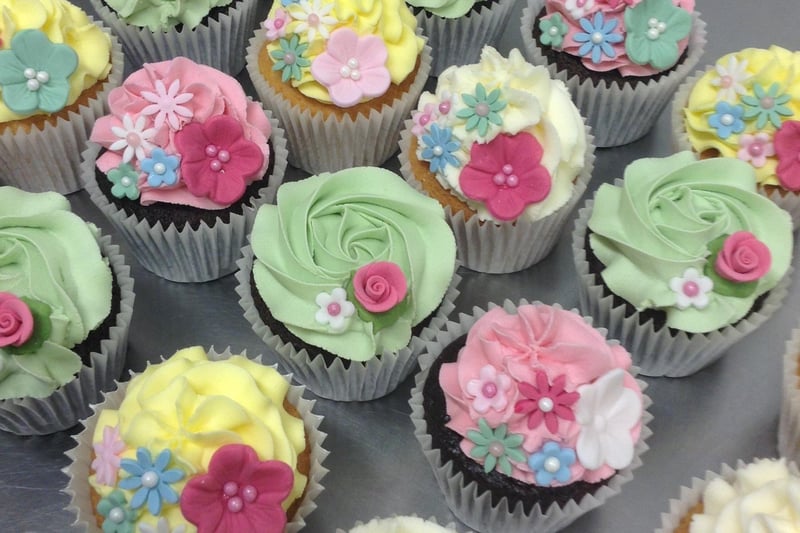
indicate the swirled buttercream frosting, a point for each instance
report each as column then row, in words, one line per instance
column 190, row 437
column 400, row 524
column 502, row 136
column 351, row 261
column 342, row 52
column 449, row 9
column 182, row 133
column 158, row 15
column 746, row 106
column 541, row 396
column 762, row 497
column 633, row 37
column 50, row 52
column 690, row 238
column 55, row 288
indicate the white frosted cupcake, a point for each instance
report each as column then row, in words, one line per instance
column 789, row 426
column 400, row 524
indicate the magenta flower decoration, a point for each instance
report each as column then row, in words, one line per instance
column 743, row 258
column 216, row 159
column 16, row 321
column 107, row 456
column 546, row 402
column 787, row 148
column 506, row 174
column 239, row 493
column 352, row 67
column 379, row 286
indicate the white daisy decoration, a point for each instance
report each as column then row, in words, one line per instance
column 313, row 18
column 133, row 138
column 691, row 289
column 578, row 8
column 334, row 309
column 162, row 526
column 731, row 79
column 165, row 104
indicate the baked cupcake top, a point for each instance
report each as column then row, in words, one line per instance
column 542, row 397
column 342, row 52
column 502, row 136
column 690, row 238
column 748, row 106
column 400, row 524
column 448, row 9
column 182, row 133
column 763, row 496
column 199, row 443
column 158, row 15
column 633, row 37
column 351, row 261
column 50, row 52
column 55, row 288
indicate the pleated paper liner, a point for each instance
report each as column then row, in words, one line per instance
column 789, row 424
column 397, row 524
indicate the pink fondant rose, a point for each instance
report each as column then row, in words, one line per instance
column 379, row 286
column 743, row 258
column 16, row 321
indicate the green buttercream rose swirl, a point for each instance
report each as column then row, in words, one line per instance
column 159, row 15
column 49, row 255
column 655, row 233
column 322, row 230
column 448, row 9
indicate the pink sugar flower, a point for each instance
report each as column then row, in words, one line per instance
column 422, row 119
column 107, row 456
column 489, row 390
column 352, row 67
column 743, row 258
column 755, row 148
column 16, row 320
column 546, row 402
column 276, row 27
column 379, row 286
column 787, row 148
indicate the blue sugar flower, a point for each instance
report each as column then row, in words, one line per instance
column 439, row 148
column 598, row 37
column 727, row 119
column 160, row 168
column 150, row 480
column 552, row 463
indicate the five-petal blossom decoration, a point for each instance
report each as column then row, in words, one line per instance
column 546, row 402
column 755, row 148
column 276, row 27
column 150, row 479
column 496, row 447
column 654, row 29
column 507, row 174
column 731, row 78
column 107, row 456
column 423, row 119
column 239, row 493
column 167, row 104
column 352, row 67
column 482, row 109
column 132, row 138
column 726, row 119
column 217, row 159
column 118, row 517
column 160, row 168
column 553, row 30
column 439, row 148
column 597, row 37
column 334, row 309
column 691, row 289
column 787, row 148
column 125, row 182
column 766, row 105
column 552, row 463
column 489, row 390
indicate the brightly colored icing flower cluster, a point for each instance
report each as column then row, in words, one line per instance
column 691, row 238
column 50, row 52
column 540, row 396
column 351, row 261
column 158, row 15
column 763, row 496
column 199, row 445
column 633, row 37
column 748, row 107
column 343, row 52
column 448, row 9
column 502, row 136
column 55, row 288
column 182, row 133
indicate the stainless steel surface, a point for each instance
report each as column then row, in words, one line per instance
column 726, row 412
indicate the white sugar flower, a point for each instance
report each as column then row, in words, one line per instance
column 165, row 104
column 133, row 138
column 731, row 79
column 313, row 17
column 578, row 8
column 161, row 527
column 334, row 309
column 691, row 289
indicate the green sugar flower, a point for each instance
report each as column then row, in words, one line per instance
column 482, row 109
column 553, row 31
column 766, row 105
column 125, row 180
column 496, row 447
column 289, row 59
column 118, row 516
column 654, row 28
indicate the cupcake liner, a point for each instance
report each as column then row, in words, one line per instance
column 787, row 200
column 459, row 41
column 320, row 145
column 390, row 527
column 474, row 507
column 664, row 352
column 218, row 43
column 78, row 488
column 789, row 424
column 359, row 381
column 48, row 159
column 494, row 248
column 70, row 403
column 188, row 255
column 617, row 115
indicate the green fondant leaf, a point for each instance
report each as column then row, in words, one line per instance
column 42, row 327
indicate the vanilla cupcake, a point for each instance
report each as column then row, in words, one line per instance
column 341, row 76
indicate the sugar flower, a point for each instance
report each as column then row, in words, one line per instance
column 151, row 480
column 691, row 289
column 552, row 463
column 133, row 138
column 597, row 37
column 290, row 59
column 125, row 182
column 334, row 309
column 489, row 390
column 313, row 18
column 160, row 168
column 654, row 28
column 166, row 104
column 726, row 119
column 107, row 456
column 276, row 27
column 731, row 79
column 482, row 109
column 496, row 447
column 117, row 515
column 755, row 148
column 439, row 148
column 546, row 402
column 766, row 106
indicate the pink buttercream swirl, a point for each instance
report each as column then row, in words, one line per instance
column 555, row 350
column 743, row 258
column 379, row 286
column 174, row 94
column 16, row 321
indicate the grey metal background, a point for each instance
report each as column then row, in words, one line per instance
column 726, row 412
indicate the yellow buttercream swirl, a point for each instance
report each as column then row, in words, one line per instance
column 64, row 23
column 391, row 20
column 745, row 69
column 194, row 406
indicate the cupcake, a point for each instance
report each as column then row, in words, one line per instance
column 180, row 165
column 400, row 524
column 341, row 76
column 528, row 416
column 502, row 147
column 758, row 496
column 215, row 442
column 66, row 299
column 742, row 107
column 57, row 67
column 789, row 425
column 212, row 32
column 343, row 274
column 621, row 59
column 681, row 259
column 458, row 29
